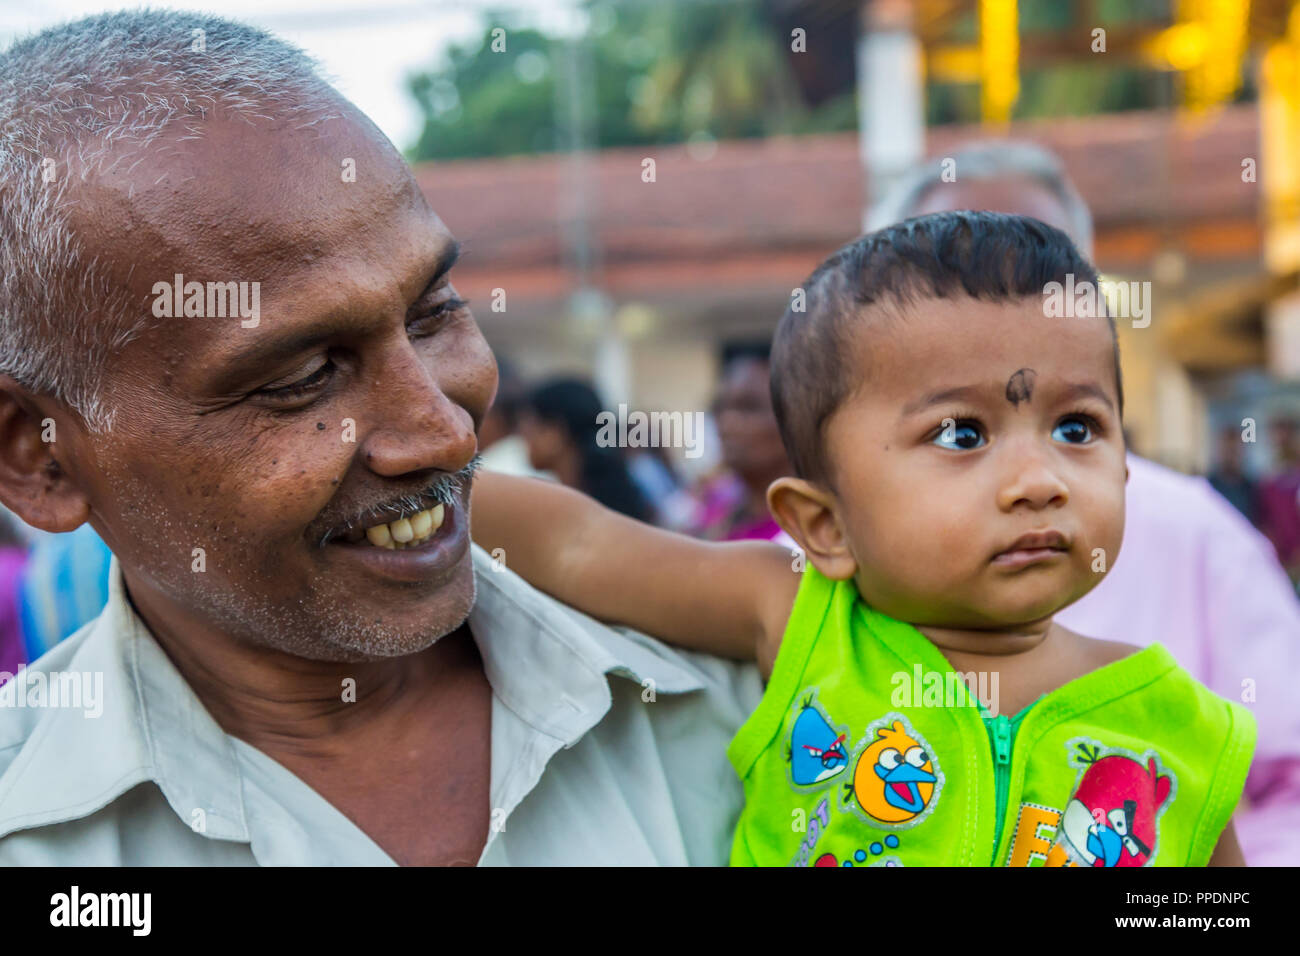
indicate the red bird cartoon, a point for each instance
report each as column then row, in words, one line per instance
column 1111, row 818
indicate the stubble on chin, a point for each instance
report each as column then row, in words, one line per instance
column 334, row 630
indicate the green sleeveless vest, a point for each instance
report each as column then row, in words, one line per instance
column 869, row 749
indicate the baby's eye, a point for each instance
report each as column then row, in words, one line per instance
column 958, row 434
column 1073, row 430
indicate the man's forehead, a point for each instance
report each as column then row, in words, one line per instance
column 265, row 207
column 247, row 201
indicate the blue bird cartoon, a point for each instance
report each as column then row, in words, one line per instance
column 817, row 750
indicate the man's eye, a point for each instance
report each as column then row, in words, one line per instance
column 304, row 386
column 958, row 434
column 1074, row 430
column 428, row 323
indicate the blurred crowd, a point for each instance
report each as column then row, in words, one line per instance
column 1270, row 502
column 550, row 428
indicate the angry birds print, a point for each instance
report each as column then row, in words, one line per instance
column 896, row 779
column 817, row 750
column 1111, row 817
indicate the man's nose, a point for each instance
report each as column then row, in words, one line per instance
column 417, row 426
column 1032, row 479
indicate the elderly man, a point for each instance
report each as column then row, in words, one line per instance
column 230, row 342
column 1192, row 572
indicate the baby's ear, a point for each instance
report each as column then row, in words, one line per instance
column 808, row 513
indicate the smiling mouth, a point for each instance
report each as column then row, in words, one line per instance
column 401, row 534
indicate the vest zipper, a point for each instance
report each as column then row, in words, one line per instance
column 1001, row 775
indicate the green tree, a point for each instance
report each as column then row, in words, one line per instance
column 656, row 73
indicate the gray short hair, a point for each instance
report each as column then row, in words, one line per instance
column 989, row 161
column 82, row 91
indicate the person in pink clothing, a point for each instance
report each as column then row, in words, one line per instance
column 12, row 655
column 1191, row 573
column 1279, row 497
column 732, row 505
column 13, row 557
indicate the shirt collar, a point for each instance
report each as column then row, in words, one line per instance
column 539, row 653
column 152, row 727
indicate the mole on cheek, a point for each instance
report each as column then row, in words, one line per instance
column 1020, row 386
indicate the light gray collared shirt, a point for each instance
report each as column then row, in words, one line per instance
column 607, row 748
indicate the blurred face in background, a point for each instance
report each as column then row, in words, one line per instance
column 1230, row 449
column 548, row 442
column 1017, row 195
column 1286, row 441
column 751, row 440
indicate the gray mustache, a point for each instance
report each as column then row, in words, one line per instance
column 445, row 490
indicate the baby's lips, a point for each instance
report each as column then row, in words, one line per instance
column 1032, row 540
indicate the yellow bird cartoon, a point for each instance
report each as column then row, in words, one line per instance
column 894, row 779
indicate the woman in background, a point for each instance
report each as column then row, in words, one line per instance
column 733, row 503
column 559, row 424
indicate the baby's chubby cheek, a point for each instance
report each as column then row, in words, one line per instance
column 921, row 549
column 1101, row 530
column 911, row 541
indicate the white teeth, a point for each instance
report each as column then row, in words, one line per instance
column 407, row 532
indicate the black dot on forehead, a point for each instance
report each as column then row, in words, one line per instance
column 1020, row 386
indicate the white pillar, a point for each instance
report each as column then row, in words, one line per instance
column 611, row 368
column 891, row 97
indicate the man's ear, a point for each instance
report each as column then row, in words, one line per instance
column 808, row 514
column 33, row 485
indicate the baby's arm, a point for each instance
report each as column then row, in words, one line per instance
column 730, row 599
column 1227, row 852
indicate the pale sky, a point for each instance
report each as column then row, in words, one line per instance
column 368, row 48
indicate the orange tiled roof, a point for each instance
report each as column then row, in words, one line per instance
column 761, row 213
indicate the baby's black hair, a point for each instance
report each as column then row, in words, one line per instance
column 983, row 255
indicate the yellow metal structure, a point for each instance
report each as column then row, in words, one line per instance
column 1279, row 104
column 1207, row 45
column 999, row 62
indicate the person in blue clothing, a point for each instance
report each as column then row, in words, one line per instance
column 63, row 586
